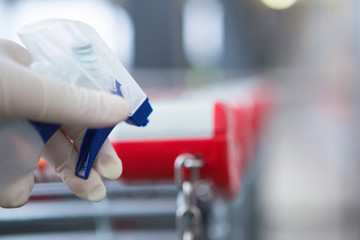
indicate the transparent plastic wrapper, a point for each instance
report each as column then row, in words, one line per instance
column 72, row 51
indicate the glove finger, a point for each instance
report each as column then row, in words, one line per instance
column 17, row 193
column 26, row 94
column 15, row 52
column 61, row 155
column 107, row 162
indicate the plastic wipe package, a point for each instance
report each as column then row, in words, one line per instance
column 73, row 52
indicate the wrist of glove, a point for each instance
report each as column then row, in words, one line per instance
column 26, row 94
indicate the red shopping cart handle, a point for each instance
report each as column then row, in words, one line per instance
column 223, row 134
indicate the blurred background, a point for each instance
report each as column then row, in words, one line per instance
column 303, row 183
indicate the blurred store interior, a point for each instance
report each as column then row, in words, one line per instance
column 303, row 182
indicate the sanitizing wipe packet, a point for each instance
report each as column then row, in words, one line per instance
column 73, row 52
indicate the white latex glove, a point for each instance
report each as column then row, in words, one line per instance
column 26, row 94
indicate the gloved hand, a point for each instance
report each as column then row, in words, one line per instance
column 26, row 94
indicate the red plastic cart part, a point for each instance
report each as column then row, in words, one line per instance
column 154, row 160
